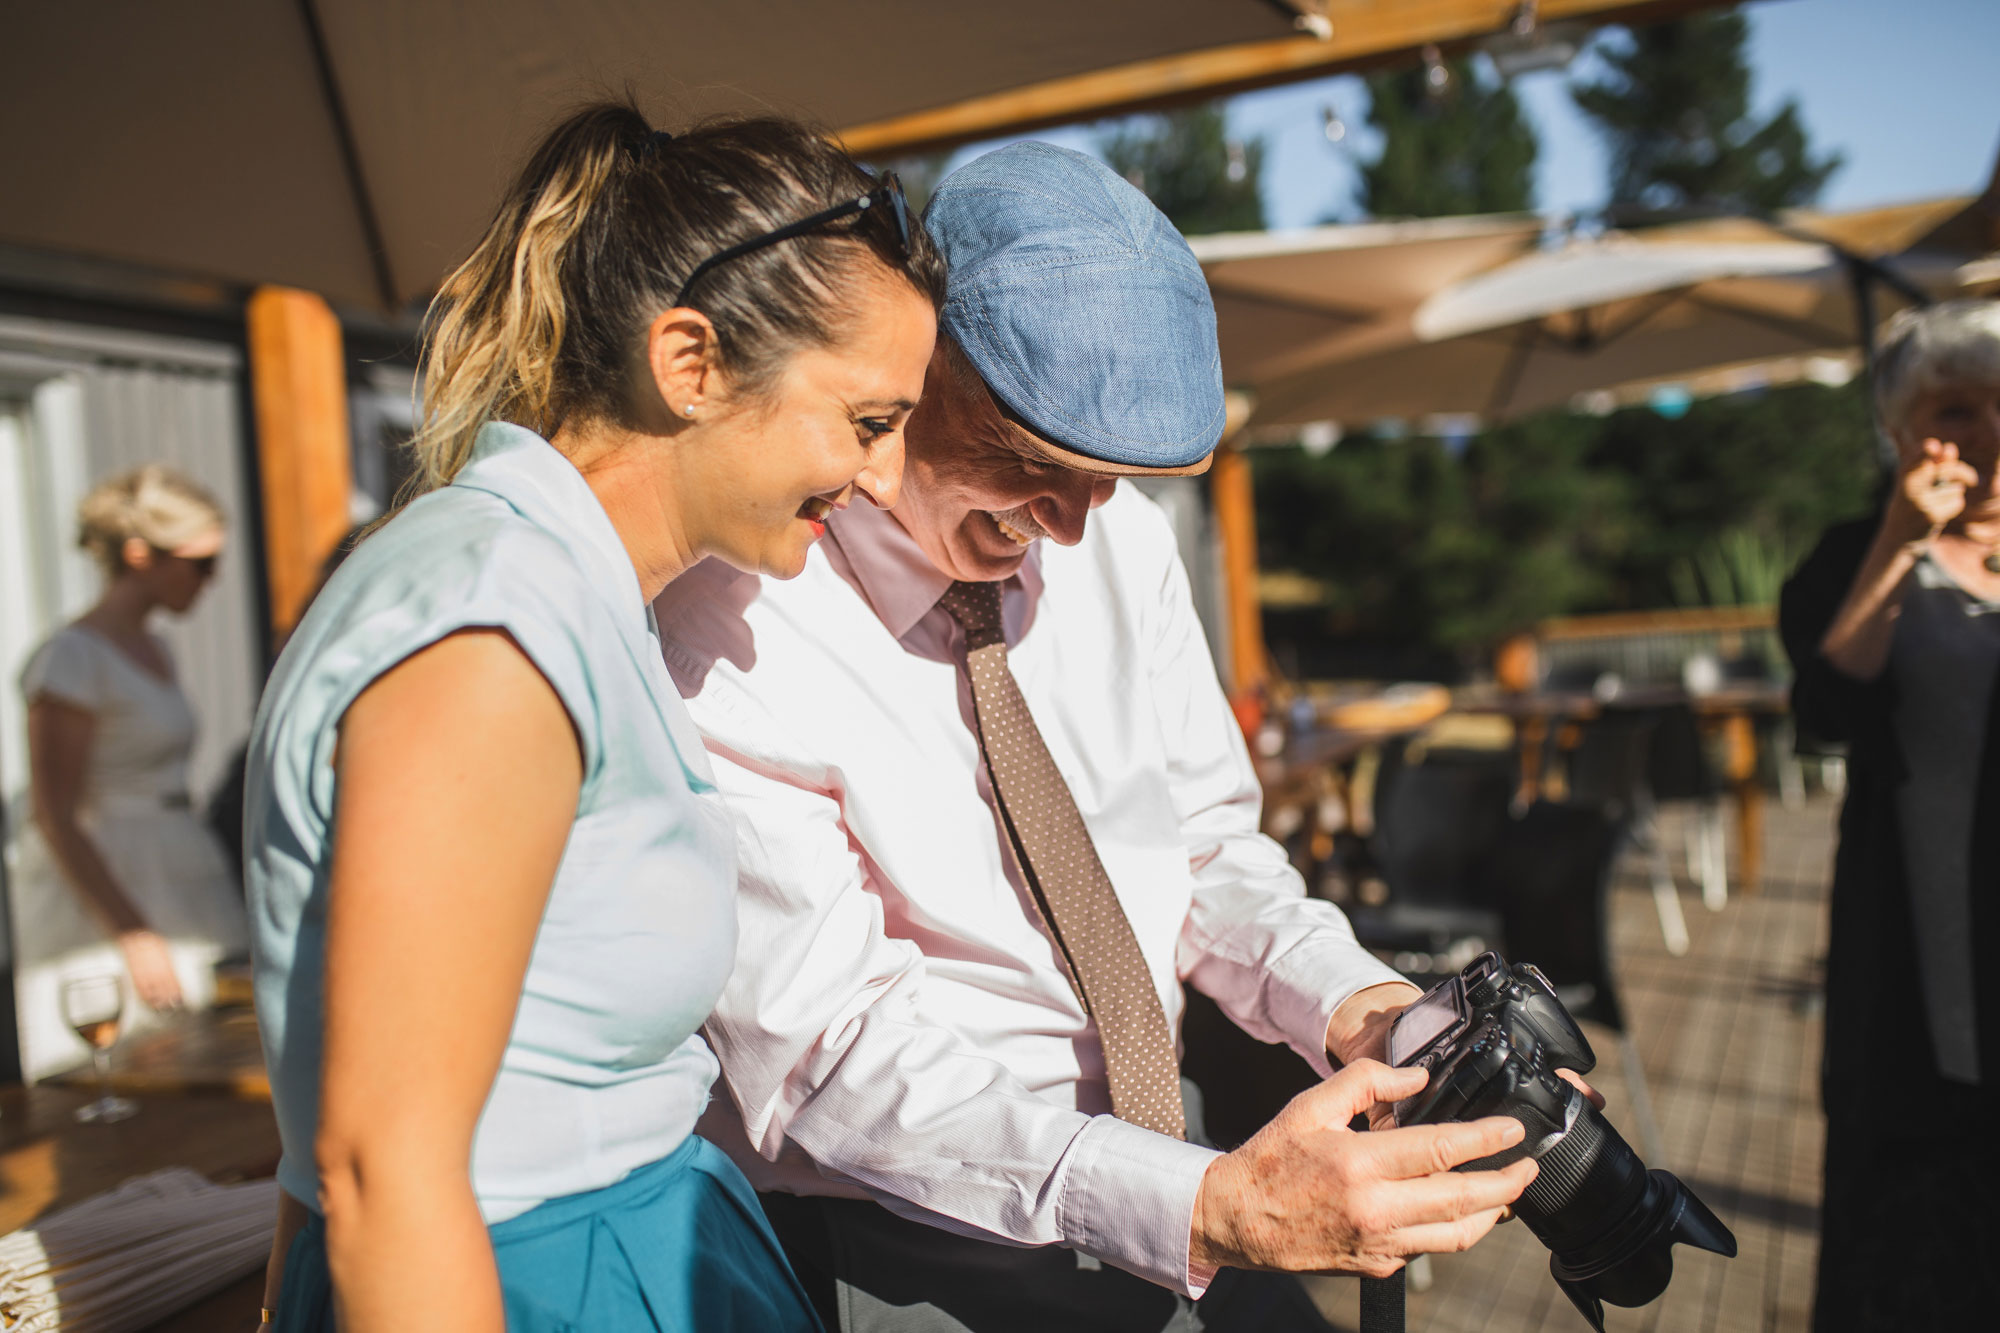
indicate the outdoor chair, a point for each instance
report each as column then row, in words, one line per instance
column 1551, row 872
column 1438, row 818
column 1678, row 769
column 1609, row 769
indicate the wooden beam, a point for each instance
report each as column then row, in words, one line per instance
column 298, row 387
column 1365, row 33
column 1235, row 506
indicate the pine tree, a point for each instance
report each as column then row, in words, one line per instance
column 1185, row 162
column 1464, row 148
column 1674, row 108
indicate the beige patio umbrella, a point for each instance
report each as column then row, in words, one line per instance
column 1590, row 315
column 1464, row 316
column 1287, row 300
column 354, row 147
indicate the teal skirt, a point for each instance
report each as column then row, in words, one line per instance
column 680, row 1246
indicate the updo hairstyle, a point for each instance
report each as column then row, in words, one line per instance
column 545, row 321
column 154, row 503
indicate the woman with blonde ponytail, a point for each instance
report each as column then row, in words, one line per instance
column 118, row 877
column 491, row 880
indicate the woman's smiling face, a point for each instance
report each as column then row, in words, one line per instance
column 828, row 430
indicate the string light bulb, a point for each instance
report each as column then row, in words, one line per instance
column 1437, row 75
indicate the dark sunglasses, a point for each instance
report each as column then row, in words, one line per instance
column 890, row 191
column 204, row 565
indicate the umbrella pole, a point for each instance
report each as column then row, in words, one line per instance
column 1860, row 283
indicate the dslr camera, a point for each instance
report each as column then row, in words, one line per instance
column 1492, row 1038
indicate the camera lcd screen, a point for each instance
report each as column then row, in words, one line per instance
column 1424, row 1022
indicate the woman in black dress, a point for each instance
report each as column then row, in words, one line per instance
column 1893, row 625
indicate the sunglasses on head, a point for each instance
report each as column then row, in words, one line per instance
column 204, row 565
column 889, row 192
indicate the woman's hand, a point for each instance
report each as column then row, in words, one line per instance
column 151, row 964
column 1934, row 482
column 1929, row 494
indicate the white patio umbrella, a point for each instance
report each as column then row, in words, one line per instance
column 1593, row 314
column 1287, row 300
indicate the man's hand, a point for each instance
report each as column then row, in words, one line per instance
column 1308, row 1194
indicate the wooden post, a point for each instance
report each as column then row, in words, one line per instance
column 298, row 386
column 1236, row 525
column 1235, row 505
column 1739, row 739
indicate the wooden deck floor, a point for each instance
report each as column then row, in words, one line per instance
column 1729, row 1038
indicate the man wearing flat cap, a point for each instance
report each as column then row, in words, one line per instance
column 994, row 812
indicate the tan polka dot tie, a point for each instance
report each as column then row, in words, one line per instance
column 1061, row 865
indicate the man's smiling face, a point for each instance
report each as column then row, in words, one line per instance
column 977, row 494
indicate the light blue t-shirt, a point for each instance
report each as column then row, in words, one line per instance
column 604, row 1071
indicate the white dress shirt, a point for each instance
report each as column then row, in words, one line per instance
column 899, row 1025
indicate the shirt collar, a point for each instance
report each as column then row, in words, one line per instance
column 892, row 571
column 528, row 472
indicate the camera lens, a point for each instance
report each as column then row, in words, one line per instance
column 1589, row 1180
column 1609, row 1223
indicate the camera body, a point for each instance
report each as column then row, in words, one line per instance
column 1492, row 1039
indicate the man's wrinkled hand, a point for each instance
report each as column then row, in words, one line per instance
column 1308, row 1194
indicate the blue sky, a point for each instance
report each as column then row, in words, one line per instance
column 1909, row 90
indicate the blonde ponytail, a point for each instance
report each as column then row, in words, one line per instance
column 595, row 238
column 497, row 323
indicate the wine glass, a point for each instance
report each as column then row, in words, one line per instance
column 93, row 1006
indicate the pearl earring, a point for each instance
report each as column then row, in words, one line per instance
column 688, row 411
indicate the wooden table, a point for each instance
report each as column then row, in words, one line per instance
column 203, row 1103
column 1728, row 715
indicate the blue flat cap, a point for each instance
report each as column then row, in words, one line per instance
column 1082, row 309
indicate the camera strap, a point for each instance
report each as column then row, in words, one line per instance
column 1382, row 1303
